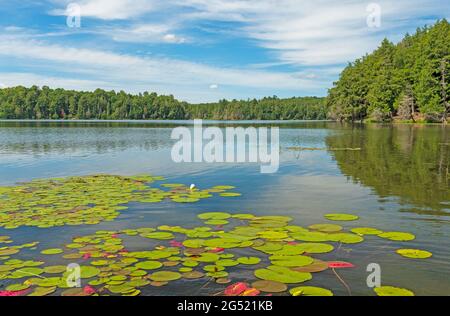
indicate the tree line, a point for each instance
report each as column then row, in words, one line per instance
column 408, row 81
column 46, row 103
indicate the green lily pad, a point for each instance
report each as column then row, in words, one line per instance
column 158, row 235
column 17, row 287
column 248, row 260
column 149, row 265
column 42, row 291
column 214, row 216
column 366, row 231
column 316, row 266
column 165, row 276
column 392, row 291
column 55, row 269
column 51, row 251
column 341, row 217
column 316, row 247
column 310, row 291
column 87, row 272
column 414, row 253
column 216, row 222
column 397, row 236
column 326, row 228
column 282, row 274
column 291, row 261
column 346, row 238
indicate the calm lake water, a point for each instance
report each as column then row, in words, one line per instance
column 398, row 181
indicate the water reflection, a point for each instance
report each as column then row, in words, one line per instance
column 408, row 161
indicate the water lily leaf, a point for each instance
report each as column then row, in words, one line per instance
column 248, row 260
column 214, row 216
column 366, row 231
column 193, row 275
column 414, row 253
column 315, row 247
column 341, row 217
column 223, row 281
column 282, row 274
column 273, row 235
column 184, row 269
column 52, row 251
column 149, row 265
column 17, row 287
column 392, row 291
column 121, row 288
column 217, row 275
column 311, row 236
column 310, row 291
column 243, row 216
column 213, row 268
column 340, row 264
column 165, row 276
column 55, row 269
column 42, row 291
column 269, row 286
column 216, row 222
column 158, row 235
column 87, row 272
column 397, row 236
column 326, row 228
column 291, row 261
column 346, row 238
column 315, row 266
column 158, row 283
column 46, row 282
column 227, row 262
column 193, row 243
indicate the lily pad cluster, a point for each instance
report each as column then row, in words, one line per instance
column 88, row 199
column 283, row 257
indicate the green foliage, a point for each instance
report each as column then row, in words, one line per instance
column 45, row 103
column 400, row 79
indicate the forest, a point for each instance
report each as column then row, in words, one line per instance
column 46, row 103
column 408, row 81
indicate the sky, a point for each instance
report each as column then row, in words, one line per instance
column 198, row 50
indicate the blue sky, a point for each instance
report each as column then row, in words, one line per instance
column 198, row 50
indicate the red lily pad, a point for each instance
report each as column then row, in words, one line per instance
column 236, row 289
column 340, row 264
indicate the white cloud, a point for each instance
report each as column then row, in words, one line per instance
column 214, row 86
column 109, row 9
column 103, row 68
column 172, row 38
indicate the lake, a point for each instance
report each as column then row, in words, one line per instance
column 395, row 178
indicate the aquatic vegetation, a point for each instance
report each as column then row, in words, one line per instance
column 414, row 253
column 275, row 255
column 88, row 200
column 310, row 291
column 341, row 217
column 392, row 291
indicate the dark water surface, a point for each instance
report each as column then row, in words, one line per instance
column 397, row 181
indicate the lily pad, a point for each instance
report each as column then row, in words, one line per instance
column 269, row 286
column 51, row 251
column 326, row 228
column 248, row 260
column 341, row 217
column 414, row 253
column 149, row 265
column 310, row 291
column 214, row 215
column 366, row 231
column 397, row 236
column 165, row 276
column 392, row 291
column 282, row 274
